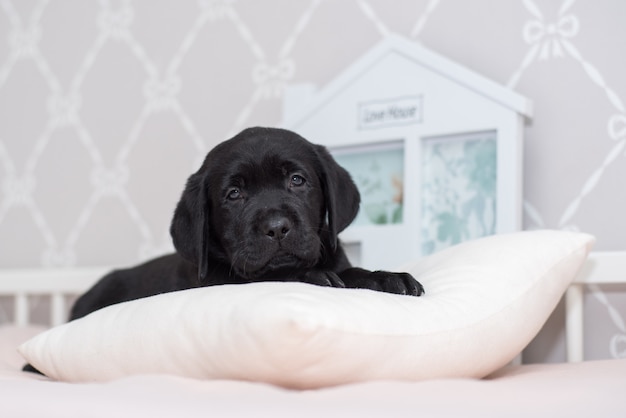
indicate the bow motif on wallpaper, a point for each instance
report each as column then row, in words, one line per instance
column 552, row 35
column 64, row 108
column 215, row 9
column 59, row 256
column 617, row 127
column 115, row 24
column 618, row 346
column 161, row 93
column 273, row 78
column 24, row 41
column 109, row 181
column 18, row 191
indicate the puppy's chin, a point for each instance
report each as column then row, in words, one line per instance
column 274, row 268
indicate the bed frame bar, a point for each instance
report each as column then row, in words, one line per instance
column 56, row 283
column 600, row 268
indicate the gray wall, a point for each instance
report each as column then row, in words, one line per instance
column 107, row 106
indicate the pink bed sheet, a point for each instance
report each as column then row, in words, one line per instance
column 560, row 390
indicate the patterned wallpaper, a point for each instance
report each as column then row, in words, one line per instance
column 107, row 106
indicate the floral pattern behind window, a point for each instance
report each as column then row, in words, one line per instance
column 378, row 173
column 458, row 189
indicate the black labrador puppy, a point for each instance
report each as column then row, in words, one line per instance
column 266, row 205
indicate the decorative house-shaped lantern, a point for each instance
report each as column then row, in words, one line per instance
column 435, row 149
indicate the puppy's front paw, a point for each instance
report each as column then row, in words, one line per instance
column 400, row 283
column 323, row 278
column 384, row 281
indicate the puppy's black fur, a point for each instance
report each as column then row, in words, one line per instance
column 266, row 205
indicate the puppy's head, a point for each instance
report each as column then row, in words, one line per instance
column 264, row 201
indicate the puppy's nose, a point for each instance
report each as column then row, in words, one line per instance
column 277, row 228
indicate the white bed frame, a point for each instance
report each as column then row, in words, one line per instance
column 58, row 284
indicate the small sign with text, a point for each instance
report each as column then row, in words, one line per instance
column 390, row 112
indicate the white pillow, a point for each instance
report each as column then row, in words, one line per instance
column 485, row 300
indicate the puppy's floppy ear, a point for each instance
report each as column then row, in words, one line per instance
column 341, row 196
column 190, row 224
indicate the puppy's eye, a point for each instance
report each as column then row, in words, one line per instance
column 297, row 181
column 234, row 194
